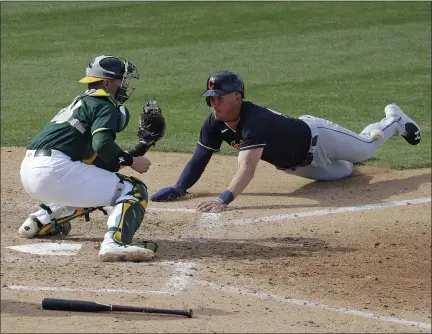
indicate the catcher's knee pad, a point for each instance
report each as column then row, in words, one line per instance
column 138, row 192
column 129, row 211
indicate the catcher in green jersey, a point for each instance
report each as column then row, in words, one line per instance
column 73, row 162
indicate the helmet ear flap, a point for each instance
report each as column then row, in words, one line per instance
column 208, row 101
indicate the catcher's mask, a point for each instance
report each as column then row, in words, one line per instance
column 223, row 83
column 112, row 67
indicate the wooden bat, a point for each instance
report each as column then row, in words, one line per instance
column 87, row 306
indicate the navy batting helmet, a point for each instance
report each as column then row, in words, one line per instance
column 223, row 83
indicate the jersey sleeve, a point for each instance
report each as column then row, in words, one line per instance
column 104, row 118
column 210, row 135
column 253, row 135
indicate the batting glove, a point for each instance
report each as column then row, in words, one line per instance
column 167, row 194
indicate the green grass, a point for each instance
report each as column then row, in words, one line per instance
column 343, row 61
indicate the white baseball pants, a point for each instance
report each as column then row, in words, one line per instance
column 58, row 180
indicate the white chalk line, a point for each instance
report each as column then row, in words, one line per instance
column 215, row 219
column 207, row 218
column 80, row 289
column 180, row 278
column 152, row 209
column 209, row 221
column 330, row 211
column 312, row 304
column 180, row 287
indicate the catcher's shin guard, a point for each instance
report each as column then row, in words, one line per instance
column 131, row 215
column 123, row 222
column 128, row 213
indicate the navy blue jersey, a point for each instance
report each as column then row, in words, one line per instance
column 286, row 140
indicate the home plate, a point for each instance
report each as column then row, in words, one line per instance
column 46, row 248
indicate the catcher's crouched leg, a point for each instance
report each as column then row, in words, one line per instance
column 52, row 220
column 123, row 222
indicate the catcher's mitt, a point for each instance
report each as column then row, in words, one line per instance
column 151, row 123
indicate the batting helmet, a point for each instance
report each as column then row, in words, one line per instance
column 223, row 83
column 112, row 67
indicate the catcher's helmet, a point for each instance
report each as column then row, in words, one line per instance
column 223, row 83
column 112, row 67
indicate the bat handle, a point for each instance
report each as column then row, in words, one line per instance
column 187, row 313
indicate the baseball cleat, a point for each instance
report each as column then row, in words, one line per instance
column 112, row 251
column 412, row 132
column 30, row 228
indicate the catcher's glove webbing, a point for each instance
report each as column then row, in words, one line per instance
column 151, row 123
column 151, row 128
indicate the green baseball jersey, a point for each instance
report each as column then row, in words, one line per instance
column 71, row 130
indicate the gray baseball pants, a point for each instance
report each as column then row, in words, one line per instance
column 338, row 148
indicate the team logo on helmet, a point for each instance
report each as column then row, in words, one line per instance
column 210, row 84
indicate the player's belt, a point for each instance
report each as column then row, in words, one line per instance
column 42, row 153
column 309, row 156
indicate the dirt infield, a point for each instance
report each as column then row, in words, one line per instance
column 290, row 255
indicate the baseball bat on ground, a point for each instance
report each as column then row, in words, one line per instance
column 87, row 306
